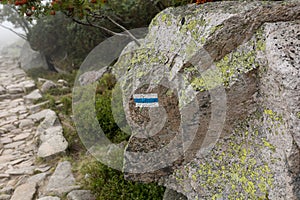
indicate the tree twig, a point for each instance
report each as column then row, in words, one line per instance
column 18, row 34
column 89, row 23
column 124, row 29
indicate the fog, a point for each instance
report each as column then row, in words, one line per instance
column 7, row 37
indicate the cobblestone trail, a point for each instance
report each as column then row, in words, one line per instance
column 20, row 177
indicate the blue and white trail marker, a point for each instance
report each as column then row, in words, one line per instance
column 145, row 100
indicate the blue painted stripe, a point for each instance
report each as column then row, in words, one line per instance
column 146, row 100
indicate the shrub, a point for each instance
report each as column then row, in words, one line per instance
column 104, row 110
column 109, row 184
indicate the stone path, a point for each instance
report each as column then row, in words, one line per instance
column 23, row 137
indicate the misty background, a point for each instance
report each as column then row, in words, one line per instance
column 7, row 37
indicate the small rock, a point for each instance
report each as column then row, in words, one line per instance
column 34, row 95
column 55, row 145
column 173, row 195
column 62, row 181
column 3, row 130
column 37, row 107
column 6, row 158
column 47, row 86
column 42, row 80
column 39, row 115
column 4, row 197
column 7, row 190
column 13, row 145
column 81, row 195
column 21, row 136
column 42, row 169
column 50, row 120
column 18, row 161
column 92, row 76
column 16, row 131
column 28, row 85
column 24, row 192
column 62, row 82
column 9, row 127
column 25, row 170
column 4, row 176
column 16, row 90
column 4, row 96
column 49, row 198
column 6, row 140
column 38, row 178
column 2, row 90
column 25, row 123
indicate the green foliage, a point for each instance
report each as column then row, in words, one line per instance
column 64, row 41
column 36, row 73
column 104, row 113
column 51, row 105
column 110, row 184
column 67, row 105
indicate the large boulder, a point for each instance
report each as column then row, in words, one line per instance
column 227, row 80
column 31, row 59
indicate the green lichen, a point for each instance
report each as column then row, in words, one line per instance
column 209, row 79
column 274, row 120
column 146, row 56
column 215, row 28
column 166, row 18
column 236, row 63
column 229, row 69
column 234, row 169
column 154, row 22
column 273, row 115
column 298, row 115
column 261, row 40
column 193, row 26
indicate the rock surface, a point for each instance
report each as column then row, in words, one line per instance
column 51, row 136
column 31, row 59
column 62, row 181
column 173, row 195
column 49, row 198
column 92, row 76
column 227, row 78
column 47, row 86
column 34, row 95
column 81, row 195
column 24, row 192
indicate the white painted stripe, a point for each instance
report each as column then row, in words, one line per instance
column 142, row 96
column 149, row 105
